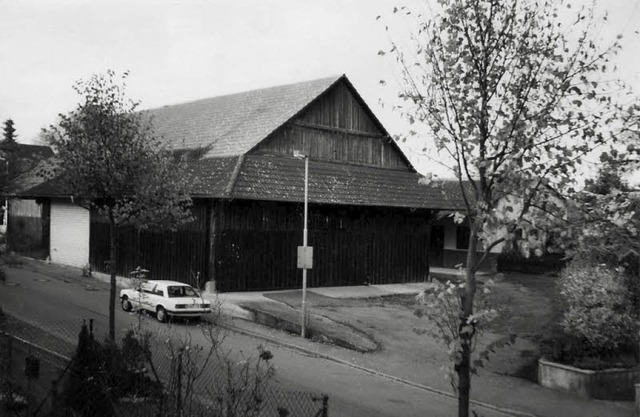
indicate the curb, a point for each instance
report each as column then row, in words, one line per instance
column 307, row 352
column 279, row 321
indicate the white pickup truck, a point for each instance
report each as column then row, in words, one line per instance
column 165, row 299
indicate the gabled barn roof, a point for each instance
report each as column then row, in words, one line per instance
column 233, row 124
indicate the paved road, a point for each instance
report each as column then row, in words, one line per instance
column 57, row 305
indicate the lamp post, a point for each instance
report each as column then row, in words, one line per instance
column 305, row 253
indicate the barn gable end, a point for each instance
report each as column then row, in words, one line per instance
column 338, row 127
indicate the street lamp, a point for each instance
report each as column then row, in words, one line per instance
column 305, row 253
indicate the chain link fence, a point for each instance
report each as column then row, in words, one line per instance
column 171, row 373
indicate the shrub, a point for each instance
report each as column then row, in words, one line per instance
column 85, row 392
column 599, row 308
column 103, row 373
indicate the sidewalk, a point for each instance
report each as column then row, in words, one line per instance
column 513, row 396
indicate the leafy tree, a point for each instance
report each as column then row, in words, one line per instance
column 111, row 162
column 609, row 179
column 9, row 132
column 511, row 94
column 7, row 150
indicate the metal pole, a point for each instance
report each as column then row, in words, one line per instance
column 179, row 385
column 304, row 243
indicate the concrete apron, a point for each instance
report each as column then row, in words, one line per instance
column 257, row 308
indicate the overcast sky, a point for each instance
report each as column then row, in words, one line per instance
column 179, row 51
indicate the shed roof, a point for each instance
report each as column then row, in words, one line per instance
column 26, row 151
column 24, row 161
column 233, row 124
column 32, row 180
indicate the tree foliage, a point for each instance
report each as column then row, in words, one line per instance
column 605, row 229
column 441, row 303
column 112, row 162
column 603, row 222
column 608, row 180
column 512, row 95
column 8, row 132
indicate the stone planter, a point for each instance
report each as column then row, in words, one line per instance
column 606, row 384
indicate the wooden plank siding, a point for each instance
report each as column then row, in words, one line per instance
column 339, row 108
column 256, row 246
column 245, row 239
column 335, row 127
column 28, row 227
column 181, row 255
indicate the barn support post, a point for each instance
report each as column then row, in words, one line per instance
column 429, row 216
column 212, row 223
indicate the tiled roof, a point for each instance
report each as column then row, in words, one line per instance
column 42, row 172
column 26, row 164
column 259, row 177
column 233, row 124
column 282, row 179
column 211, row 177
column 26, row 151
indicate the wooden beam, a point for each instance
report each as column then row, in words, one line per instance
column 339, row 130
column 212, row 223
column 234, row 176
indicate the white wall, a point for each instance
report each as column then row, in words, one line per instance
column 450, row 236
column 69, row 243
column 451, row 239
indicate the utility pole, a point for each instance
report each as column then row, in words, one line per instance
column 305, row 253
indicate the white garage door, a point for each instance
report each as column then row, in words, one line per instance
column 69, row 234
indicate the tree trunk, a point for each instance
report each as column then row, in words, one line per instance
column 464, row 379
column 464, row 367
column 113, row 242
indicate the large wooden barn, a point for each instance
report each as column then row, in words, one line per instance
column 368, row 215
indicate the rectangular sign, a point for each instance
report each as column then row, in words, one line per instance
column 305, row 257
